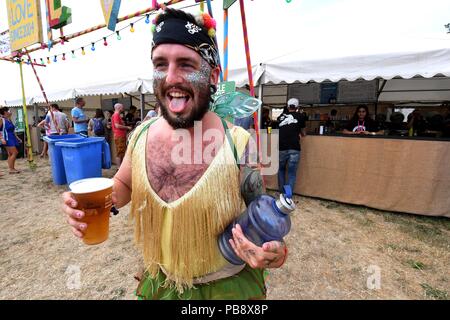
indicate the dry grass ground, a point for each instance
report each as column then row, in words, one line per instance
column 335, row 250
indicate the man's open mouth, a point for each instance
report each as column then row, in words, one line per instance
column 177, row 100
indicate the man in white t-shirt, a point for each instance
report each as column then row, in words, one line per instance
column 61, row 120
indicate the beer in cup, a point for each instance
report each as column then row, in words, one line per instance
column 94, row 198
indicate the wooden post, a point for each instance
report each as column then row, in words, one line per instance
column 36, row 113
column 27, row 137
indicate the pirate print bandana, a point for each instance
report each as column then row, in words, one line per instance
column 188, row 34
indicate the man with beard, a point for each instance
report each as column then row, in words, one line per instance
column 182, row 201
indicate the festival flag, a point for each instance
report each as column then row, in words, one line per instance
column 110, row 11
column 228, row 3
column 58, row 15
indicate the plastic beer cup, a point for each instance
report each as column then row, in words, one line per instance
column 94, row 198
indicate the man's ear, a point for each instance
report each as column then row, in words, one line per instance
column 214, row 78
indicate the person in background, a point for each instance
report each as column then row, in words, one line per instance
column 79, row 119
column 362, row 124
column 291, row 127
column 446, row 130
column 61, row 121
column 153, row 113
column 108, row 131
column 130, row 118
column 380, row 118
column 266, row 122
column 119, row 130
column 331, row 124
column 416, row 124
column 246, row 123
column 97, row 126
column 396, row 126
column 9, row 138
column 45, row 131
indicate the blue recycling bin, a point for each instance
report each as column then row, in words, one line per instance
column 56, row 160
column 82, row 159
column 106, row 155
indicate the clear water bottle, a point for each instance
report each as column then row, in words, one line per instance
column 265, row 219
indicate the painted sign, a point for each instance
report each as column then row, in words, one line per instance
column 24, row 23
column 58, row 16
column 5, row 47
column 225, row 87
column 110, row 11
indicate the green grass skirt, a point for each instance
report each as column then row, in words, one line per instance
column 246, row 285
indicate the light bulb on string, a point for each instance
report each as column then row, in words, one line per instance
column 147, row 18
column 82, row 51
column 73, row 54
column 64, row 56
column 93, row 46
column 131, row 27
column 104, row 41
column 48, row 60
column 34, row 60
column 118, row 35
column 42, row 61
column 55, row 59
column 28, row 62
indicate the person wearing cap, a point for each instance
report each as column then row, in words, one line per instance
column 180, row 207
column 291, row 127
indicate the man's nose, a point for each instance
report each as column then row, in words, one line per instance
column 173, row 75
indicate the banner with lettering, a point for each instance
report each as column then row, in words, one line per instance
column 24, row 23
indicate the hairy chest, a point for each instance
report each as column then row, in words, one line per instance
column 174, row 169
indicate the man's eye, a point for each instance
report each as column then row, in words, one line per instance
column 159, row 65
column 187, row 66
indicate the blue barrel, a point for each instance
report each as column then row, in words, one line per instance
column 82, row 159
column 106, row 155
column 56, row 160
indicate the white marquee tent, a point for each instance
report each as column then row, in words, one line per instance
column 125, row 66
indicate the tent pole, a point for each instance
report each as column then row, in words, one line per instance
column 379, row 93
column 250, row 74
column 36, row 113
column 142, row 106
column 260, row 97
column 31, row 162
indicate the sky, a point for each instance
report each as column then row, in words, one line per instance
column 275, row 28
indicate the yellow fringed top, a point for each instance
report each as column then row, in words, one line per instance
column 181, row 236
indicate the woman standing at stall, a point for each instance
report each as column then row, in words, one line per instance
column 362, row 123
column 9, row 138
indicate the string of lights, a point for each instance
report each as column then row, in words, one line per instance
column 92, row 45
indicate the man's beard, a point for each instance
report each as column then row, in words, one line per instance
column 196, row 113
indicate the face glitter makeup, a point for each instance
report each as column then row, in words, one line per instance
column 200, row 76
column 159, row 75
